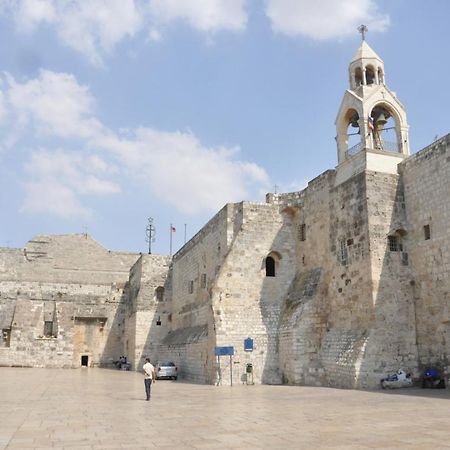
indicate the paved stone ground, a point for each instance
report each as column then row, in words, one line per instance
column 105, row 409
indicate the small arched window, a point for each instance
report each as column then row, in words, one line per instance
column 159, row 294
column 270, row 266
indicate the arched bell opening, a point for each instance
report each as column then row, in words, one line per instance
column 384, row 128
column 370, row 75
column 353, row 132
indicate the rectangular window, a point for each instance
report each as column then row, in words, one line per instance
column 203, row 281
column 159, row 294
column 342, row 251
column 395, row 244
column 427, row 232
column 48, row 328
column 191, row 287
column 302, row 232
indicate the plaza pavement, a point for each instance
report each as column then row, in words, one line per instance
column 105, row 409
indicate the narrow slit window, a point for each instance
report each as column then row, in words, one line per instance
column 302, row 232
column 343, row 251
column 191, row 287
column 427, row 232
column 203, row 281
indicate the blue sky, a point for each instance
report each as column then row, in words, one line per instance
column 113, row 111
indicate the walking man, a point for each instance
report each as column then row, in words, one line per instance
column 149, row 374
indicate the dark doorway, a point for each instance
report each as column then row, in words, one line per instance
column 85, row 361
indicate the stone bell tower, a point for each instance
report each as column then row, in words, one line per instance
column 372, row 131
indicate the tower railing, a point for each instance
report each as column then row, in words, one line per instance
column 383, row 146
column 355, row 149
column 386, row 146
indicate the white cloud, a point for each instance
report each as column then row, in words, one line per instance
column 49, row 197
column 173, row 166
column 95, row 27
column 324, row 19
column 58, row 180
column 3, row 110
column 204, row 15
column 154, row 35
column 54, row 104
column 92, row 27
column 30, row 13
column 178, row 169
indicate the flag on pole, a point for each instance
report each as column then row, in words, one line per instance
column 172, row 230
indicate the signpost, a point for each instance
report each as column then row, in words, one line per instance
column 224, row 351
column 248, row 345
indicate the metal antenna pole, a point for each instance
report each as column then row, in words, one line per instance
column 150, row 233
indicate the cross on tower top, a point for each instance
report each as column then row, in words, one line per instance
column 363, row 30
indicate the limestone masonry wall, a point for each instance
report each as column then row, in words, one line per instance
column 337, row 285
column 61, row 302
column 426, row 177
column 191, row 339
column 246, row 303
column 148, row 308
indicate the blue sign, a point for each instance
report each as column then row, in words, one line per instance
column 248, row 345
column 224, row 351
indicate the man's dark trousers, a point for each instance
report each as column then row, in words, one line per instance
column 148, row 387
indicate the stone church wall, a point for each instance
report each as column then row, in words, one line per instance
column 191, row 339
column 62, row 299
column 246, row 302
column 348, row 318
column 148, row 313
column 426, row 176
column 392, row 340
column 327, row 313
column 361, row 287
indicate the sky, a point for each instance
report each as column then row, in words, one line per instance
column 116, row 111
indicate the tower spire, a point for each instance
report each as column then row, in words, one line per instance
column 363, row 30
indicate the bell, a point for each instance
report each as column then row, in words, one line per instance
column 381, row 121
column 354, row 121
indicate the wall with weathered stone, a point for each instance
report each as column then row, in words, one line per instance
column 191, row 339
column 148, row 315
column 344, row 309
column 327, row 312
column 247, row 303
column 392, row 340
column 426, row 177
column 348, row 318
column 75, row 283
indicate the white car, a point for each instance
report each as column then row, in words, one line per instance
column 166, row 369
